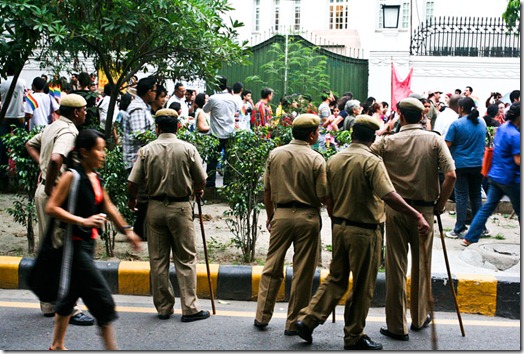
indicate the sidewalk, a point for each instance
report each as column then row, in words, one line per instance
column 481, row 288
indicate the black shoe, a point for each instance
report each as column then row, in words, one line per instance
column 304, row 332
column 364, row 343
column 201, row 315
column 424, row 325
column 49, row 314
column 81, row 319
column 259, row 324
column 387, row 333
column 289, row 332
column 164, row 317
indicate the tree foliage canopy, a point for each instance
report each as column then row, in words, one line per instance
column 512, row 14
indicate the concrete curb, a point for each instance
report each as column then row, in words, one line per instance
column 478, row 294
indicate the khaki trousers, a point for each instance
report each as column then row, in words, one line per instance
column 40, row 202
column 355, row 250
column 170, row 228
column 300, row 227
column 401, row 231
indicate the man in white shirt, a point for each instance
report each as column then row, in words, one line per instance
column 39, row 106
column 447, row 117
column 14, row 116
column 222, row 108
column 103, row 107
column 179, row 95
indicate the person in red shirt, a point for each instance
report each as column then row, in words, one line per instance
column 262, row 113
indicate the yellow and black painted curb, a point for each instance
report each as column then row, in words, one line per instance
column 479, row 294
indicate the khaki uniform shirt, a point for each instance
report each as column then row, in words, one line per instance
column 169, row 167
column 357, row 181
column 57, row 138
column 296, row 173
column 413, row 158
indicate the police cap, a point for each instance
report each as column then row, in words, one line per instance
column 306, row 120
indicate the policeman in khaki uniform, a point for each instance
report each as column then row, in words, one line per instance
column 172, row 172
column 295, row 185
column 359, row 185
column 413, row 158
column 49, row 148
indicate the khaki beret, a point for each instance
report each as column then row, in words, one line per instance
column 73, row 100
column 411, row 103
column 306, row 120
column 367, row 121
column 166, row 112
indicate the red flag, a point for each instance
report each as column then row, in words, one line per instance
column 399, row 89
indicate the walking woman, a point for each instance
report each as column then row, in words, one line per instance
column 93, row 203
column 466, row 139
column 503, row 176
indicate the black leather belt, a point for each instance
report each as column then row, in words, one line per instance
column 340, row 221
column 294, row 205
column 419, row 202
column 170, row 199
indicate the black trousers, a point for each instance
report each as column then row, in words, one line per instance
column 87, row 283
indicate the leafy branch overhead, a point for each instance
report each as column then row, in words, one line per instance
column 180, row 39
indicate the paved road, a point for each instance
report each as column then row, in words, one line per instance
column 22, row 327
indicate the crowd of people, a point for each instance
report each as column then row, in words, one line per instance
column 402, row 166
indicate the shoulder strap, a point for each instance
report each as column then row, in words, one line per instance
column 67, row 259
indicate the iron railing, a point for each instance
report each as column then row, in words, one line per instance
column 331, row 46
column 466, row 36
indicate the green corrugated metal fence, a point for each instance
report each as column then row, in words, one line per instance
column 345, row 73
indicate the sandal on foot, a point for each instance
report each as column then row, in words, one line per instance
column 465, row 243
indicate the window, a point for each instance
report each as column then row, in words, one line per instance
column 430, row 9
column 257, row 15
column 338, row 14
column 277, row 14
column 405, row 15
column 297, row 15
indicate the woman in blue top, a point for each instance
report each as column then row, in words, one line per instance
column 504, row 174
column 466, row 141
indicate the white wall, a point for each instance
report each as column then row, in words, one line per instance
column 484, row 75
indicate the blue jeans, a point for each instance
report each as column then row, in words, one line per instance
column 495, row 193
column 467, row 186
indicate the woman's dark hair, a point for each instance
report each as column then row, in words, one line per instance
column 373, row 108
column 125, row 101
column 493, row 110
column 85, row 139
column 200, row 99
column 468, row 106
column 159, row 90
column 302, row 133
column 513, row 112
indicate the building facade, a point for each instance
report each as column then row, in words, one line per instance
column 450, row 44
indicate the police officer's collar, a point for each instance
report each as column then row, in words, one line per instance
column 67, row 120
column 298, row 142
column 164, row 136
column 410, row 127
column 360, row 146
